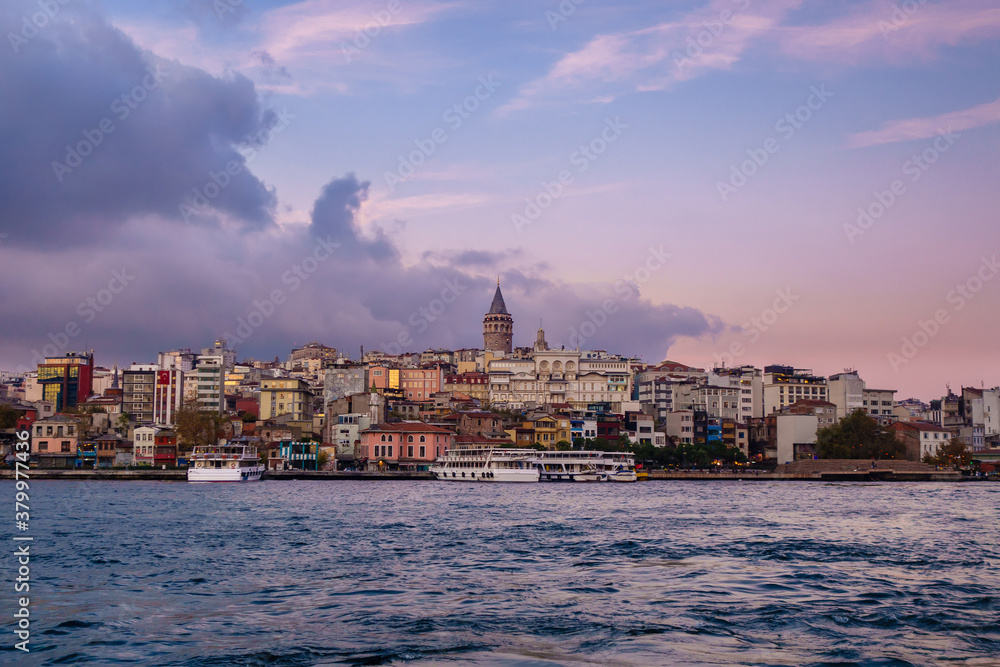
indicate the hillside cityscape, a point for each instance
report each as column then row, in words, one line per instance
column 321, row 409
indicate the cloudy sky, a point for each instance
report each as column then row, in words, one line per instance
column 741, row 181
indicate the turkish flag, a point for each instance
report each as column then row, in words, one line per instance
column 163, row 377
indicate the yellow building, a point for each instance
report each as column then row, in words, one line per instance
column 545, row 430
column 286, row 396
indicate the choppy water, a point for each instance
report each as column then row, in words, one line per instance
column 657, row 573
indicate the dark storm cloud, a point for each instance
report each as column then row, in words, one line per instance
column 93, row 131
column 481, row 259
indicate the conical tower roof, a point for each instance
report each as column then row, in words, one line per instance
column 498, row 307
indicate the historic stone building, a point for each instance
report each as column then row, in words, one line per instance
column 498, row 326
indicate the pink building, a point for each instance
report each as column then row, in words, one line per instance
column 54, row 441
column 404, row 446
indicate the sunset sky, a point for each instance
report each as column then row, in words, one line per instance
column 780, row 181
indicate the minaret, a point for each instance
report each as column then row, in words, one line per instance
column 498, row 325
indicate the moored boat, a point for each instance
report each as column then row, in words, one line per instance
column 618, row 467
column 224, row 463
column 486, row 464
column 569, row 466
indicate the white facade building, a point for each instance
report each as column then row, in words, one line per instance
column 581, row 379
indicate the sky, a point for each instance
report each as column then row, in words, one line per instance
column 733, row 182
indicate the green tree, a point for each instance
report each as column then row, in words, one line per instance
column 197, row 427
column 123, row 422
column 563, row 446
column 8, row 416
column 956, row 454
column 858, row 436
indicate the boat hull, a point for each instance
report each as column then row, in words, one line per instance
column 251, row 474
column 487, row 475
column 570, row 477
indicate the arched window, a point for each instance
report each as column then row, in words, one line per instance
column 422, row 438
column 409, row 438
column 390, row 438
column 383, row 437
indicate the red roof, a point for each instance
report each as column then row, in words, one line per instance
column 407, row 427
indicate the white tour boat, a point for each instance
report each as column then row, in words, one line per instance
column 569, row 466
column 486, row 464
column 618, row 467
column 224, row 463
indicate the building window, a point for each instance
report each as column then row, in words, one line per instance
column 390, row 451
column 65, row 446
column 422, row 451
column 409, row 451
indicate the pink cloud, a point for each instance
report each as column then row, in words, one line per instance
column 920, row 128
column 891, row 33
column 657, row 57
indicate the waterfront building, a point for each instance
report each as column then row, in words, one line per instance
column 796, row 436
column 920, row 438
column 404, row 445
column 154, row 446
column 107, row 449
column 298, row 455
column 54, row 441
column 345, row 436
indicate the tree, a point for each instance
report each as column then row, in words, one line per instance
column 956, row 454
column 123, row 422
column 563, row 446
column 857, row 436
column 8, row 416
column 197, row 427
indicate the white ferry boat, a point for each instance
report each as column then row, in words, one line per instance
column 569, row 466
column 618, row 467
column 224, row 463
column 486, row 464
column 586, row 466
